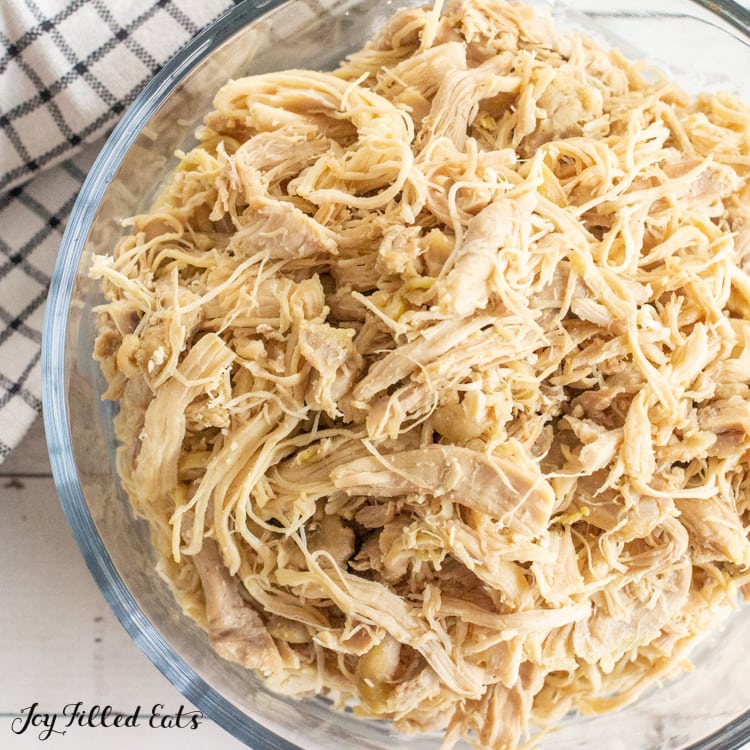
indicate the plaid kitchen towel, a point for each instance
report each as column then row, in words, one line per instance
column 68, row 69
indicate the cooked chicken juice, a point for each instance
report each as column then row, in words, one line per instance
column 432, row 374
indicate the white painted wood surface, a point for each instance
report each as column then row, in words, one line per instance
column 60, row 641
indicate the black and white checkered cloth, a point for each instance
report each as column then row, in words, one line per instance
column 68, row 69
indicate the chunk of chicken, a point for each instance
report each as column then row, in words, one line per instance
column 235, row 629
column 415, row 81
column 568, row 104
column 560, row 580
column 428, row 346
column 333, row 355
column 468, row 285
column 630, row 616
column 281, row 230
column 716, row 530
column 455, row 103
column 164, row 425
column 509, row 488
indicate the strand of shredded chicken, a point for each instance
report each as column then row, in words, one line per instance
column 433, row 374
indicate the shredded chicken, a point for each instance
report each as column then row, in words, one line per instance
column 433, row 374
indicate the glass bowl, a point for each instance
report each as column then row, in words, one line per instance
column 704, row 45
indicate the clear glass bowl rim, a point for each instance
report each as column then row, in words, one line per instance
column 732, row 736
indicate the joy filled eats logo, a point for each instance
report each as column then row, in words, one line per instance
column 77, row 715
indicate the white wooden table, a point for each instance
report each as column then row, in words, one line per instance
column 60, row 642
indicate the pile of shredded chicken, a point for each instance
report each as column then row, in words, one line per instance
column 433, row 374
